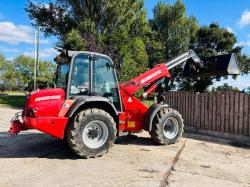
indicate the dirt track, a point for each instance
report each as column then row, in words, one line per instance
column 35, row 159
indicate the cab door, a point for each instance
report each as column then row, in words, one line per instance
column 104, row 81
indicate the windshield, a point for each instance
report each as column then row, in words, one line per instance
column 62, row 75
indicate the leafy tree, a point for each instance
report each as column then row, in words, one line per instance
column 210, row 41
column 110, row 27
column 247, row 90
column 121, row 30
column 171, row 34
column 24, row 70
column 136, row 62
column 7, row 74
column 18, row 74
column 225, row 88
column 73, row 41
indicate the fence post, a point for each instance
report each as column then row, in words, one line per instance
column 196, row 110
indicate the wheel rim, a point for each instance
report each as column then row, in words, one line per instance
column 170, row 128
column 95, row 134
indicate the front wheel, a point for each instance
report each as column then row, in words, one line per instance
column 167, row 127
column 91, row 133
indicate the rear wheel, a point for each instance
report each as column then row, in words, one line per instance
column 91, row 133
column 167, row 126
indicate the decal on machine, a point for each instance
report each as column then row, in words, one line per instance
column 131, row 124
column 129, row 99
column 151, row 76
column 45, row 98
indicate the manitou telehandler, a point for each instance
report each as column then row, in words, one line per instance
column 89, row 108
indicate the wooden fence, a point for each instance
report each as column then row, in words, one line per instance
column 226, row 112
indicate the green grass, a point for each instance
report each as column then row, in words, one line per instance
column 148, row 102
column 12, row 101
column 11, row 93
column 18, row 101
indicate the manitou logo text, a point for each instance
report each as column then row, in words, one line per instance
column 151, row 76
column 47, row 98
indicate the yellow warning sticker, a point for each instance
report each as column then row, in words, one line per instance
column 131, row 124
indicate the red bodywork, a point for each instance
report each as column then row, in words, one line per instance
column 46, row 110
column 134, row 109
column 42, row 111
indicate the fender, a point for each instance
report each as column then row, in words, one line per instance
column 152, row 111
column 93, row 101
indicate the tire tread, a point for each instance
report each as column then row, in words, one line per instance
column 74, row 128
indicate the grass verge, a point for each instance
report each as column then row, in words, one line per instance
column 12, row 101
column 148, row 102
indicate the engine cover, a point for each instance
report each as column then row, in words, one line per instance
column 45, row 102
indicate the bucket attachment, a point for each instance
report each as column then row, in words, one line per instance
column 220, row 65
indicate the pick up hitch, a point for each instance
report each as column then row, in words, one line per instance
column 16, row 125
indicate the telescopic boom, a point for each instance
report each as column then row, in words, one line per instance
column 182, row 59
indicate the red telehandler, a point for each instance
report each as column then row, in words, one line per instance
column 89, row 108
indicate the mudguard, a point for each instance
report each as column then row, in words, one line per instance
column 152, row 111
column 93, row 101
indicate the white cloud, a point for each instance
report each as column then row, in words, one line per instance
column 15, row 34
column 229, row 29
column 242, row 81
column 10, row 50
column 244, row 44
column 244, row 19
column 46, row 5
column 10, row 58
column 44, row 53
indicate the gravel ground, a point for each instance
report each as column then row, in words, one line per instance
column 35, row 159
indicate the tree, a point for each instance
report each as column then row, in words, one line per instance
column 210, row 41
column 225, row 88
column 24, row 71
column 171, row 34
column 247, row 90
column 106, row 26
column 121, row 30
column 136, row 62
column 19, row 73
column 24, row 68
column 73, row 41
column 7, row 75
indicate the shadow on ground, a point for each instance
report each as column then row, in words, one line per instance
column 135, row 140
column 39, row 145
column 33, row 145
column 244, row 144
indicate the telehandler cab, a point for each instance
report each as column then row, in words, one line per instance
column 89, row 108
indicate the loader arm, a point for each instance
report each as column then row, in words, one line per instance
column 157, row 74
column 135, row 110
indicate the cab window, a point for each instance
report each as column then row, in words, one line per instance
column 62, row 75
column 79, row 83
column 104, row 81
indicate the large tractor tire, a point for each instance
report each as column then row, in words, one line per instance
column 167, row 127
column 91, row 133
